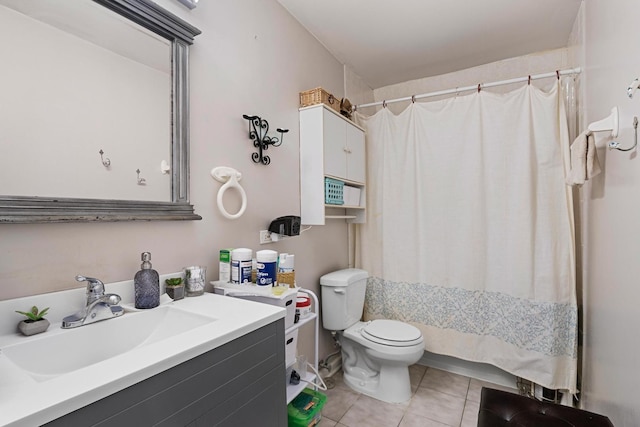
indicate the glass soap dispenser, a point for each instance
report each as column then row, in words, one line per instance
column 146, row 284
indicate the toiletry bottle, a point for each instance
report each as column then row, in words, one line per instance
column 146, row 284
column 225, row 265
column 266, row 272
column 241, row 265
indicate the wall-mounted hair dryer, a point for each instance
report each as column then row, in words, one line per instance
column 286, row 225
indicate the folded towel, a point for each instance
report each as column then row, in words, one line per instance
column 584, row 159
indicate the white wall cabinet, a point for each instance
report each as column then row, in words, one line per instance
column 330, row 146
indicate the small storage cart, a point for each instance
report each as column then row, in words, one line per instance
column 286, row 300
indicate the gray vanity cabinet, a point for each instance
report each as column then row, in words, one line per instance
column 237, row 384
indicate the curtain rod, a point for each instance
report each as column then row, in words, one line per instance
column 477, row 87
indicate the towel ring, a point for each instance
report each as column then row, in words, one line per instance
column 610, row 123
column 230, row 177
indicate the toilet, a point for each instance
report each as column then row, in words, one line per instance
column 375, row 355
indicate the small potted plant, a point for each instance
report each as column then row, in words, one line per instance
column 35, row 322
column 175, row 288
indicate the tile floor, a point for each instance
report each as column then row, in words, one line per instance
column 440, row 399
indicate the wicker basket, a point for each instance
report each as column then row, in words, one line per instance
column 319, row 96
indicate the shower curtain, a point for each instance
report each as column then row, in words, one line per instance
column 470, row 234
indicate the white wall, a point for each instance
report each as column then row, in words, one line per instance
column 612, row 290
column 251, row 58
column 355, row 89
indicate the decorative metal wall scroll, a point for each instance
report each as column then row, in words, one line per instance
column 258, row 129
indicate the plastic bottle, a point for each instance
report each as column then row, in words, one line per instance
column 286, row 263
column 266, row 272
column 286, row 270
column 225, row 265
column 241, row 265
column 146, row 284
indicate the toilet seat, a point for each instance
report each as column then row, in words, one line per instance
column 392, row 333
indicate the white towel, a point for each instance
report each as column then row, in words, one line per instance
column 584, row 159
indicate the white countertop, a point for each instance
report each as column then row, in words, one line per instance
column 25, row 401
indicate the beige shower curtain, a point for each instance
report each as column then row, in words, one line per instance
column 470, row 233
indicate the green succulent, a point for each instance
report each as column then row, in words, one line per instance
column 175, row 281
column 34, row 314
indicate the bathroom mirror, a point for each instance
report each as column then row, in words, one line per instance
column 94, row 118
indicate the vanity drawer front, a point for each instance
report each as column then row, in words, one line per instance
column 218, row 386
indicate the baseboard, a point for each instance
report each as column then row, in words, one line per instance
column 479, row 371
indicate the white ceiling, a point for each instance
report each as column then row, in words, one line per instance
column 392, row 41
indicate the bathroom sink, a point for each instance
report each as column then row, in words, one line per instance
column 65, row 350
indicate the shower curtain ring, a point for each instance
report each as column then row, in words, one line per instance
column 529, row 80
column 413, row 99
column 384, row 104
column 558, row 74
column 479, row 87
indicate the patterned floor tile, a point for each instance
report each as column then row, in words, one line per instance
column 339, row 400
column 437, row 406
column 369, row 412
column 413, row 420
column 470, row 414
column 440, row 399
column 445, row 382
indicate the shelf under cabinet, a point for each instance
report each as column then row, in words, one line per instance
column 302, row 321
column 353, row 214
column 343, row 206
column 294, row 390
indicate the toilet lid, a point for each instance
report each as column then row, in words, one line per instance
column 392, row 332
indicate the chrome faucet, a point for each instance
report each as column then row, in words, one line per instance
column 99, row 306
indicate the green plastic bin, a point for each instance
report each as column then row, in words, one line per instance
column 306, row 409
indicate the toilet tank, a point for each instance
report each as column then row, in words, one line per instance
column 342, row 297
